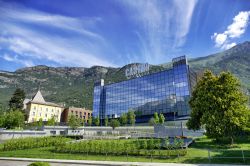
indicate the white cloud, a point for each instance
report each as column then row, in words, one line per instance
column 164, row 24
column 239, row 25
column 80, row 48
column 56, row 49
column 15, row 59
column 8, row 58
column 219, row 39
column 20, row 14
column 234, row 30
column 228, row 46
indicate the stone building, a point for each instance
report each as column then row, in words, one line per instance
column 82, row 113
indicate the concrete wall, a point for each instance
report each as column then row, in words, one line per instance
column 138, row 131
column 96, row 130
column 173, row 131
column 5, row 134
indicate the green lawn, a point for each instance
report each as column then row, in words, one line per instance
column 197, row 153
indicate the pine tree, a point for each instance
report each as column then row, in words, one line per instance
column 16, row 101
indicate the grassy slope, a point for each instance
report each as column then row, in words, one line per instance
column 197, row 153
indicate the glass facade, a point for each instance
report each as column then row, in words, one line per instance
column 166, row 92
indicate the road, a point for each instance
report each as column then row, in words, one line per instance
column 55, row 162
column 25, row 163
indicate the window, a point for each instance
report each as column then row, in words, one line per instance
column 34, row 107
column 34, row 113
column 161, row 92
column 53, row 132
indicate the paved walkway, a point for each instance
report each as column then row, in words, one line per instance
column 8, row 161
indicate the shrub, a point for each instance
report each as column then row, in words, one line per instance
column 33, row 142
column 39, row 164
column 121, row 147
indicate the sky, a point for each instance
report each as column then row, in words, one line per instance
column 84, row 33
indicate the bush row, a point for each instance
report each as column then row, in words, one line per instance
column 123, row 147
column 33, row 142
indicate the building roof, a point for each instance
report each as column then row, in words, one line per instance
column 46, row 103
column 38, row 99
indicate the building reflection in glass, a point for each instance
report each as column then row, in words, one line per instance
column 166, row 92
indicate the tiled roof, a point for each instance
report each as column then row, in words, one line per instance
column 46, row 103
column 38, row 97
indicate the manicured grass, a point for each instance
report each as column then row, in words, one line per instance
column 206, row 143
column 197, row 153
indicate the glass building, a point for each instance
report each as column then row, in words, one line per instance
column 166, row 92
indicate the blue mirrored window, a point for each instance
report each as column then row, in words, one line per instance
column 166, row 92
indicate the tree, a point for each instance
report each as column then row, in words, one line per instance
column 124, row 119
column 1, row 120
column 74, row 122
column 106, row 121
column 51, row 121
column 114, row 123
column 151, row 122
column 90, row 121
column 13, row 119
column 40, row 123
column 131, row 117
column 97, row 121
column 156, row 118
column 16, row 101
column 161, row 119
column 218, row 103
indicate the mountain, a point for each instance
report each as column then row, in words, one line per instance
column 73, row 86
column 235, row 60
